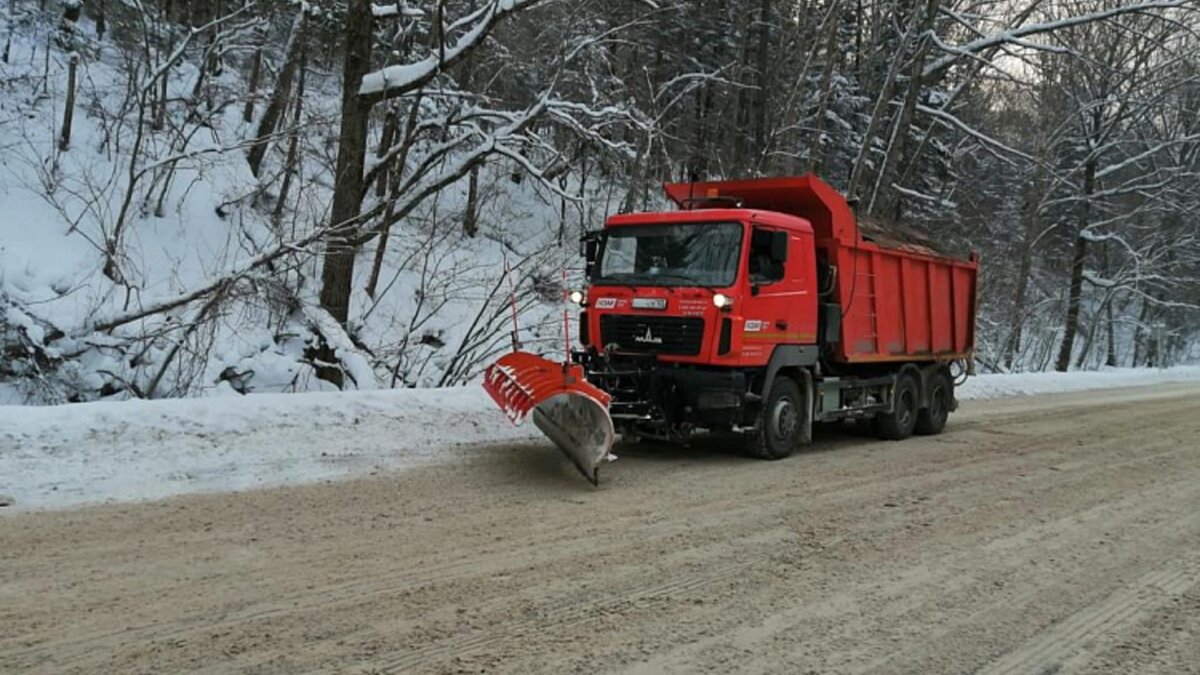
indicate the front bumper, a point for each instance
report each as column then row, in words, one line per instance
column 647, row 392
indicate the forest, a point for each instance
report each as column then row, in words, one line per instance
column 266, row 195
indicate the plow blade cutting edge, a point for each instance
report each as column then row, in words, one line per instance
column 570, row 411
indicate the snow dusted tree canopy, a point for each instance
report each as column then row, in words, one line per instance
column 235, row 197
column 394, row 80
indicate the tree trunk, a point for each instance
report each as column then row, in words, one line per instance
column 899, row 149
column 1089, row 339
column 699, row 163
column 1017, row 321
column 64, row 141
column 858, row 34
column 252, row 93
column 1074, row 299
column 741, row 112
column 1110, row 350
column 877, row 114
column 160, row 111
column 395, row 173
column 763, row 64
column 471, row 219
column 207, row 68
column 390, row 123
column 337, row 270
column 1078, row 258
column 1032, row 218
column 1140, row 332
column 101, row 19
column 814, row 148
column 293, row 155
column 1110, row 354
column 279, row 99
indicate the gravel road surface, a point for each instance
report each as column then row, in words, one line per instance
column 1036, row 535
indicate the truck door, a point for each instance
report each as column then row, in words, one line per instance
column 777, row 312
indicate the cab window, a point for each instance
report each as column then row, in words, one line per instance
column 768, row 253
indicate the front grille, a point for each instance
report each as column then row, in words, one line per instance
column 660, row 334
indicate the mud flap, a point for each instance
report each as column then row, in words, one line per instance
column 571, row 412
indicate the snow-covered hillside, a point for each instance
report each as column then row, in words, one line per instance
column 177, row 237
column 133, row 216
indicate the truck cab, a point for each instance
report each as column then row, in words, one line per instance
column 685, row 310
column 716, row 287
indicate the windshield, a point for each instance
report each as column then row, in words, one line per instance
column 691, row 254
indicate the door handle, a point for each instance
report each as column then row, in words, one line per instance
column 781, row 325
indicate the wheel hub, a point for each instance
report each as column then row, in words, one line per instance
column 906, row 401
column 937, row 402
column 784, row 418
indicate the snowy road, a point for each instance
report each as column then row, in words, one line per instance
column 1039, row 534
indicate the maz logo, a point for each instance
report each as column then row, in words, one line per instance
column 648, row 338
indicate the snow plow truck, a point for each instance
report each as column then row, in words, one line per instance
column 760, row 307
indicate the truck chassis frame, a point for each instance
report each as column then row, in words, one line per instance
column 671, row 401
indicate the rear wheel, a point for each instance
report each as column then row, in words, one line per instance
column 781, row 421
column 932, row 419
column 898, row 424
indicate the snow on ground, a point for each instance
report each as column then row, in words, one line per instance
column 1029, row 384
column 80, row 453
column 55, row 457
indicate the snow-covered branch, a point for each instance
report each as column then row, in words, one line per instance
column 1016, row 35
column 396, row 9
column 397, row 80
column 983, row 138
column 235, row 272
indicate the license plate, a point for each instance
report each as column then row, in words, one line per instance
column 649, row 303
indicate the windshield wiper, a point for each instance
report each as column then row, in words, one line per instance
column 633, row 277
column 680, row 278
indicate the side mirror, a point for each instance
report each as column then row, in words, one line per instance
column 588, row 244
column 779, row 247
column 589, row 247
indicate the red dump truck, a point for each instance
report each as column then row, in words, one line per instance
column 759, row 307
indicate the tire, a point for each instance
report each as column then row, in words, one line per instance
column 898, row 424
column 781, row 422
column 932, row 419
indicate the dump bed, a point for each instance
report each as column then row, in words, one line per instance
column 899, row 299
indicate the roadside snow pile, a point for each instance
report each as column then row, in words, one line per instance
column 1028, row 384
column 54, row 457
column 59, row 456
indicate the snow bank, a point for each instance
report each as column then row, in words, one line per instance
column 59, row 456
column 54, row 457
column 1027, row 384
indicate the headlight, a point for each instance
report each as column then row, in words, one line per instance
column 577, row 297
column 722, row 301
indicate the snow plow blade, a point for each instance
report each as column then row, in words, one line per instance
column 565, row 407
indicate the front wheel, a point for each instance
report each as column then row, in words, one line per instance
column 781, row 422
